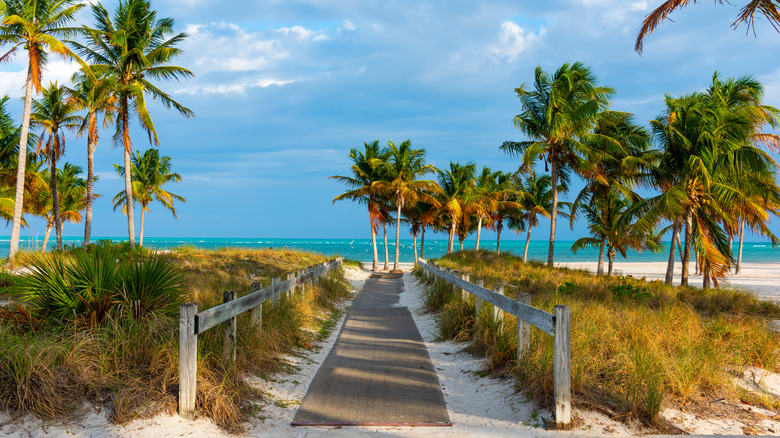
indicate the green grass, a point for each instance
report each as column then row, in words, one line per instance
column 130, row 364
column 636, row 345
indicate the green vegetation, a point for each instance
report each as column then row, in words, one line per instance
column 636, row 346
column 74, row 334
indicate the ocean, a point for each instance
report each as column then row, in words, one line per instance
column 360, row 249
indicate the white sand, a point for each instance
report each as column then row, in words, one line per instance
column 478, row 406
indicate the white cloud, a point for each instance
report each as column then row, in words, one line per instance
column 514, row 40
column 349, row 25
column 12, row 82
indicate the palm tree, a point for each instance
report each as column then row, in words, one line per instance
column 418, row 216
column 457, row 184
column 366, row 168
column 53, row 114
column 404, row 166
column 150, row 173
column 535, row 200
column 35, row 26
column 609, row 222
column 94, row 95
column 619, row 149
column 507, row 205
column 557, row 113
column 72, row 191
column 131, row 49
column 746, row 15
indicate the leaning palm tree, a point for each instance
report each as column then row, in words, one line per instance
column 53, row 113
column 93, row 94
column 366, row 168
column 403, row 168
column 35, row 26
column 558, row 111
column 768, row 8
column 535, row 201
column 150, row 173
column 134, row 48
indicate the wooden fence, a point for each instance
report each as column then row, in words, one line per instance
column 192, row 323
column 556, row 325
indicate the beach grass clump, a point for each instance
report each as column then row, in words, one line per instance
column 637, row 346
column 71, row 336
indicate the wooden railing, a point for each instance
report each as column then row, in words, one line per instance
column 556, row 325
column 192, row 323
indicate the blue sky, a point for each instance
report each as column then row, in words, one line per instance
column 283, row 89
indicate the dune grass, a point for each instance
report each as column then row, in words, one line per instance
column 636, row 346
column 129, row 364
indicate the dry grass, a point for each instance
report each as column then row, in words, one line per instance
column 636, row 346
column 131, row 367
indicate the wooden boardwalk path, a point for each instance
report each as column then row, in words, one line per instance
column 379, row 371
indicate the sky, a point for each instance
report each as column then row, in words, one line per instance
column 283, row 89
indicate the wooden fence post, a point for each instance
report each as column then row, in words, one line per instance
column 464, row 294
column 455, row 273
column 291, row 279
column 523, row 329
column 229, row 351
column 498, row 314
column 562, row 367
column 188, row 360
column 478, row 301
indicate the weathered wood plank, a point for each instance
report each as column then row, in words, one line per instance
column 562, row 367
column 536, row 317
column 231, row 326
column 188, row 360
column 498, row 314
column 477, row 301
column 523, row 329
column 464, row 294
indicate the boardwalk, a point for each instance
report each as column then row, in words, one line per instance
column 379, row 371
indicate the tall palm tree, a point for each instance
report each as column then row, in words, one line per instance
column 457, row 185
column 768, row 8
column 366, row 168
column 133, row 48
column 619, row 149
column 53, row 113
column 35, row 26
column 404, row 166
column 150, row 173
column 93, row 94
column 418, row 216
column 559, row 110
column 508, row 196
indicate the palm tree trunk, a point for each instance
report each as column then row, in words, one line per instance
column 527, row 240
column 611, row 258
column 499, row 226
column 400, row 204
column 461, row 243
column 451, row 241
column 600, row 267
column 375, row 260
column 20, row 169
column 128, row 171
column 739, row 254
column 479, row 232
column 670, row 265
column 554, row 212
column 141, row 230
column 414, row 243
column 49, row 226
column 55, row 196
column 387, row 252
column 422, row 243
column 731, row 245
column 687, row 249
column 91, row 146
column 705, row 283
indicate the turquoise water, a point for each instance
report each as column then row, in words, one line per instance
column 360, row 249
